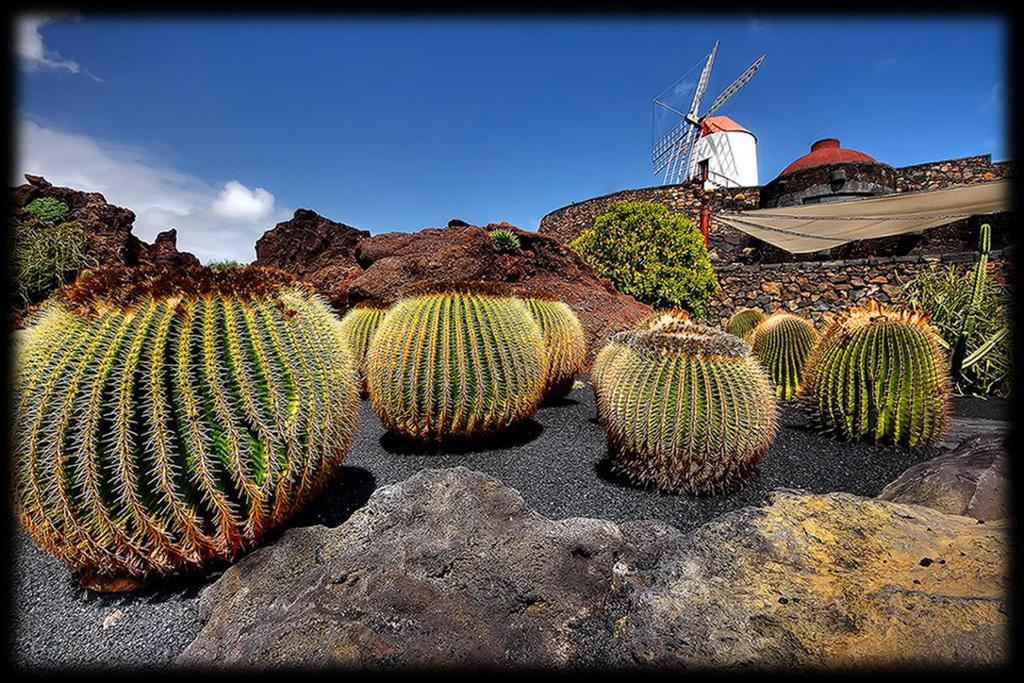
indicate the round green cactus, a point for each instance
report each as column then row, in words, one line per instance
column 743, row 321
column 563, row 338
column 782, row 342
column 456, row 361
column 358, row 327
column 165, row 419
column 686, row 407
column 879, row 374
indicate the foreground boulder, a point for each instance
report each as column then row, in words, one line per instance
column 972, row 480
column 450, row 567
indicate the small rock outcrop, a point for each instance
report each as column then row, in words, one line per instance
column 315, row 249
column 111, row 242
column 451, row 568
column 972, row 480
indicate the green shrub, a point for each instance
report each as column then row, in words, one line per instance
column 224, row 265
column 652, row 254
column 945, row 293
column 505, row 241
column 47, row 209
column 46, row 255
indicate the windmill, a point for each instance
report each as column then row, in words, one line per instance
column 671, row 153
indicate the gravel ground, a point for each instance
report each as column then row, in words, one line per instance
column 557, row 461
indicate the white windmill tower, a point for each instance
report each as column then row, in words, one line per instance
column 714, row 148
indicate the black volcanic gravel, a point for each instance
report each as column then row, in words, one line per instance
column 557, row 461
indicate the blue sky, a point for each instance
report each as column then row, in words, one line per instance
column 223, row 127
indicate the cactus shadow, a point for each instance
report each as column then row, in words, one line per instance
column 347, row 492
column 560, row 402
column 515, row 436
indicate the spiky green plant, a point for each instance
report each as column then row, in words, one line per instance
column 46, row 255
column 504, row 240
column 358, row 327
column 563, row 338
column 686, row 407
column 456, row 361
column 743, row 321
column 782, row 342
column 878, row 373
column 165, row 419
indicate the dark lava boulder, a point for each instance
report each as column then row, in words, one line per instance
column 973, row 480
column 315, row 249
column 451, row 568
column 111, row 242
column 393, row 260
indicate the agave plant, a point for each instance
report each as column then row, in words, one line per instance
column 358, row 327
column 744, row 321
column 165, row 419
column 563, row 338
column 782, row 342
column 878, row 373
column 686, row 407
column 504, row 240
column 456, row 361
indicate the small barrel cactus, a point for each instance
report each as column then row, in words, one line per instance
column 563, row 338
column 686, row 407
column 743, row 321
column 782, row 342
column 358, row 327
column 165, row 419
column 880, row 374
column 454, row 361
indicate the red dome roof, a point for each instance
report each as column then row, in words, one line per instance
column 824, row 152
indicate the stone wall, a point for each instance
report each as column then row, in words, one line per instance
column 815, row 288
column 728, row 245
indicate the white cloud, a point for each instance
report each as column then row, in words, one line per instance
column 213, row 223
column 33, row 53
column 238, row 201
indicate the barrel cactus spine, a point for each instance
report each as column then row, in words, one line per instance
column 686, row 407
column 743, row 322
column 358, row 327
column 879, row 373
column 166, row 419
column 782, row 342
column 456, row 361
column 563, row 338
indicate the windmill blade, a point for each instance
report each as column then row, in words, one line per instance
column 679, row 158
column 702, row 84
column 661, row 154
column 733, row 87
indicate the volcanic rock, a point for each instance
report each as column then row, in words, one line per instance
column 315, row 249
column 450, row 567
column 392, row 261
column 972, row 480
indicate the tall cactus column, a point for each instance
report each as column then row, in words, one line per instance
column 166, row 419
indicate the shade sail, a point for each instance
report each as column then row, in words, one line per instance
column 813, row 227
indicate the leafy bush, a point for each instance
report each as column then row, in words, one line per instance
column 47, row 209
column 505, row 241
column 224, row 265
column 652, row 254
column 945, row 293
column 45, row 256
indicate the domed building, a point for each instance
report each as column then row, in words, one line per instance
column 829, row 173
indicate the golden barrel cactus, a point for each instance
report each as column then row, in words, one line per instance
column 165, row 419
column 782, row 342
column 879, row 374
column 563, row 338
column 358, row 327
column 743, row 321
column 454, row 361
column 686, row 407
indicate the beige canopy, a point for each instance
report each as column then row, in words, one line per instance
column 813, row 227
